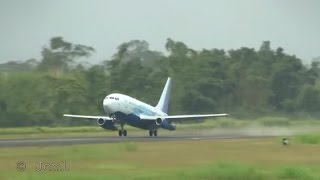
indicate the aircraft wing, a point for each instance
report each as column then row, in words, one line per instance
column 180, row 118
column 88, row 117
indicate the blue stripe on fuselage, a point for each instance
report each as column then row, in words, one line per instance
column 139, row 110
column 133, row 119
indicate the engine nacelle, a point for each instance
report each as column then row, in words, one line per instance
column 101, row 121
column 159, row 121
column 106, row 124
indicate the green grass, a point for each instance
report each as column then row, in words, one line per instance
column 130, row 146
column 308, row 138
column 298, row 173
column 205, row 159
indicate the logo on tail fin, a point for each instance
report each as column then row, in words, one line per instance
column 163, row 103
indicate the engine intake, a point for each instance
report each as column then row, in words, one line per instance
column 101, row 121
column 159, row 121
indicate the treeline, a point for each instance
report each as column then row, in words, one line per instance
column 243, row 82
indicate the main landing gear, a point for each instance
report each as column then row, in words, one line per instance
column 122, row 132
column 153, row 133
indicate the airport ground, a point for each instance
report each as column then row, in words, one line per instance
column 263, row 158
column 262, row 126
column 242, row 157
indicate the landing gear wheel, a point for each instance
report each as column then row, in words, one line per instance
column 122, row 131
column 150, row 133
column 155, row 132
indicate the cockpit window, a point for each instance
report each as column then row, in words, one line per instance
column 116, row 98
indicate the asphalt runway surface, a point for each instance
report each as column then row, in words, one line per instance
column 115, row 139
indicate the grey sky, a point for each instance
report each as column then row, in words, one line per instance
column 27, row 25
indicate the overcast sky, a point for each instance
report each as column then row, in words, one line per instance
column 27, row 25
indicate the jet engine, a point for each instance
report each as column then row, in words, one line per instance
column 106, row 124
column 101, row 121
column 159, row 121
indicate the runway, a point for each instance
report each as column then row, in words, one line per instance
column 115, row 139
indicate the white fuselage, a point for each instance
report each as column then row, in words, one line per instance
column 115, row 103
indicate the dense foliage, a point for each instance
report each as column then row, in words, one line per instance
column 243, row 82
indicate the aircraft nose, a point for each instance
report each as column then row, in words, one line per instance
column 107, row 105
column 106, row 102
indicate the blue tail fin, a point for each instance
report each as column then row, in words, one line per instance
column 163, row 103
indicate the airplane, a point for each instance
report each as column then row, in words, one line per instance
column 122, row 109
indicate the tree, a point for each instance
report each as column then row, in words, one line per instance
column 243, row 82
column 61, row 54
column 287, row 79
column 310, row 98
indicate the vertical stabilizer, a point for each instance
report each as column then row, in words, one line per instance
column 163, row 103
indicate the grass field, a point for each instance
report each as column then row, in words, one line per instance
column 215, row 159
